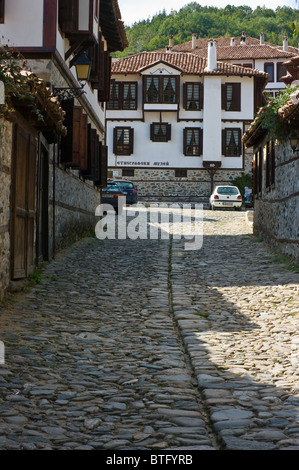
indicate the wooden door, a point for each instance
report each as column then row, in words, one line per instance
column 42, row 223
column 23, row 202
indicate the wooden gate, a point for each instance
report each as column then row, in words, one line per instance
column 23, row 201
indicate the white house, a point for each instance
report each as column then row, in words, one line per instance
column 247, row 52
column 175, row 118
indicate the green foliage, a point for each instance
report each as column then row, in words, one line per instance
column 207, row 22
column 241, row 181
column 269, row 117
column 19, row 85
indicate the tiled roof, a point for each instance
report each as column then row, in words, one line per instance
column 251, row 50
column 292, row 67
column 188, row 63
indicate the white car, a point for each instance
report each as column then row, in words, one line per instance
column 225, row 196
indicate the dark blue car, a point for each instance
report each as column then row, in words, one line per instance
column 129, row 189
column 111, row 194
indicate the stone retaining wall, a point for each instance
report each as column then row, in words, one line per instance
column 75, row 204
column 164, row 183
column 276, row 210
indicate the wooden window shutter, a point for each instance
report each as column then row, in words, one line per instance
column 97, row 160
column 76, row 160
column 131, row 148
column 223, row 142
column 236, row 97
column 66, row 144
column 104, row 91
column 68, row 14
column 185, row 95
column 168, row 131
column 94, row 56
column 115, row 140
column 201, row 96
column 79, row 139
column 2, row 10
column 83, row 142
column 152, row 132
column 254, row 175
column 88, row 172
column 94, row 157
column 200, row 141
column 104, row 165
column 223, row 96
column 184, row 141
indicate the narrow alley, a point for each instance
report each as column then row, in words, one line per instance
column 143, row 345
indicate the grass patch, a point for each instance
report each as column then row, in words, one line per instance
column 286, row 262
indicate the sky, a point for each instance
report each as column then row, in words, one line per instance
column 136, row 10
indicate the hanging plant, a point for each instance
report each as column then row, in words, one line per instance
column 20, row 84
column 270, row 119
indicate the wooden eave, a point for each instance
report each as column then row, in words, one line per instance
column 112, row 26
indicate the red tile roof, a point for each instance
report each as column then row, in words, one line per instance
column 251, row 50
column 186, row 62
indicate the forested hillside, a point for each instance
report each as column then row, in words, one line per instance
column 211, row 22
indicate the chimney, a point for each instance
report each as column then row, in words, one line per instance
column 193, row 40
column 262, row 39
column 170, row 46
column 232, row 41
column 212, row 56
column 285, row 44
column 243, row 38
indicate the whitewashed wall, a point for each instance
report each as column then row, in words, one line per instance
column 23, row 23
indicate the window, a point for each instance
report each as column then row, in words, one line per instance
column 269, row 68
column 123, row 140
column 123, row 95
column 231, row 96
column 128, row 172
column 270, row 164
column 160, row 132
column 193, row 96
column 160, row 90
column 114, row 102
column 281, row 71
column 2, row 4
column 192, row 141
column 182, row 173
column 231, row 142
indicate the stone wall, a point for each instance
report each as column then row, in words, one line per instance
column 5, row 184
column 163, row 183
column 74, row 206
column 276, row 210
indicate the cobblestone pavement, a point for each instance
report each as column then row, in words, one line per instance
column 140, row 344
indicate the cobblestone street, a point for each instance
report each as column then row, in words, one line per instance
column 143, row 345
